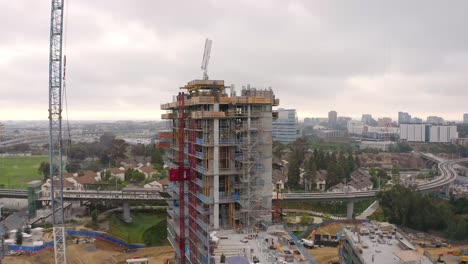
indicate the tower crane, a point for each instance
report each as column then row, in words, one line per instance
column 55, row 129
column 206, row 58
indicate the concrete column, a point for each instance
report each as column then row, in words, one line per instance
column 126, row 212
column 447, row 190
column 349, row 210
column 216, row 169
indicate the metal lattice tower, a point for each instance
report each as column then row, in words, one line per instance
column 55, row 129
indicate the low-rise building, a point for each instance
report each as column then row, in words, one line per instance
column 154, row 185
column 321, row 180
column 326, row 134
column 355, row 127
column 147, row 170
column 379, row 145
column 89, row 178
column 118, row 173
column 360, row 181
column 377, row 243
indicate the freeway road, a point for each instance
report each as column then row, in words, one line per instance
column 446, row 168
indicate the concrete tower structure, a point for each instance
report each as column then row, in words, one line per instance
column 227, row 151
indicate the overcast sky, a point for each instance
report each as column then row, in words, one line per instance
column 125, row 58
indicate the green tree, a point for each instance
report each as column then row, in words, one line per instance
column 278, row 148
column 107, row 139
column 94, row 216
column 293, row 172
column 118, row 150
column 106, row 175
column 44, row 169
column 310, row 174
column 138, row 150
column 306, row 220
column 156, row 156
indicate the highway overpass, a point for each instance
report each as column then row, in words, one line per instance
column 446, row 168
column 447, row 176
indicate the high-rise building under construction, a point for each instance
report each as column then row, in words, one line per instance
column 221, row 158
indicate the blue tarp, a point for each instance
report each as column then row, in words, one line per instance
column 31, row 249
column 103, row 237
column 76, row 233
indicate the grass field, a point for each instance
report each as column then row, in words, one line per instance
column 134, row 232
column 16, row 172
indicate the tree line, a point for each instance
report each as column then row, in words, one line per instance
column 105, row 153
column 425, row 212
column 338, row 165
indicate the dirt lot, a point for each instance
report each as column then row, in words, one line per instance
column 449, row 259
column 330, row 229
column 99, row 252
column 324, row 255
column 400, row 160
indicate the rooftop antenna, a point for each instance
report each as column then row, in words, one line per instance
column 206, row 58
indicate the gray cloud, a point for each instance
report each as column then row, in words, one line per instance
column 125, row 58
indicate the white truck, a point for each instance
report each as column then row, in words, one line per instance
column 307, row 243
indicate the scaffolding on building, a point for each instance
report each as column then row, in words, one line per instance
column 226, row 151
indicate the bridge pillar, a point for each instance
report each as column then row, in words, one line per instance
column 349, row 210
column 126, row 212
column 447, row 190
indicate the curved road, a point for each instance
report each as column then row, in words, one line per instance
column 448, row 175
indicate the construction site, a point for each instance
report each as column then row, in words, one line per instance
column 221, row 154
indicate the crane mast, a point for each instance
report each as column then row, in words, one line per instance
column 55, row 129
column 206, row 58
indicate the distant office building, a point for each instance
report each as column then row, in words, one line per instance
column 2, row 131
column 465, row 118
column 332, row 118
column 428, row 133
column 343, row 121
column 442, row 134
column 368, row 120
column 327, row 134
column 355, row 127
column 435, row 120
column 313, row 121
column 416, row 120
column 404, row 118
column 309, row 121
column 285, row 127
column 384, row 121
column 413, row 133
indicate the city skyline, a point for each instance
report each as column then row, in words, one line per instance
column 125, row 59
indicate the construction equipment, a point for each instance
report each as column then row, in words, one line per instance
column 464, row 256
column 206, row 58
column 55, row 129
